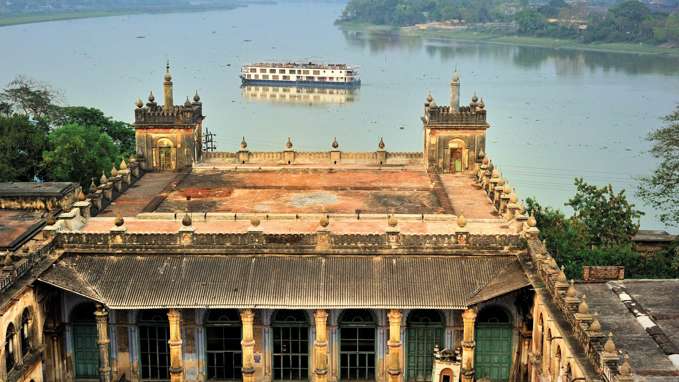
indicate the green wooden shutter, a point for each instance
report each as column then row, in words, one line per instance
column 493, row 355
column 85, row 351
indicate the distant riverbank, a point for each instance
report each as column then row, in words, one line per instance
column 496, row 38
column 7, row 20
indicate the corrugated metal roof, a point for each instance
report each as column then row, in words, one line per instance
column 272, row 281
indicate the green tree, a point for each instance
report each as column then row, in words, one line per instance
column 672, row 27
column 122, row 133
column 530, row 21
column 79, row 153
column 660, row 190
column 610, row 219
column 28, row 97
column 22, row 142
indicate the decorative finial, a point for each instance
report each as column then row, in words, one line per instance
column 334, row 144
column 196, row 97
column 288, row 144
column 392, row 221
column 571, row 292
column 187, row 103
column 482, row 155
column 114, row 171
column 461, row 220
column 243, row 144
column 186, row 220
column 583, row 308
column 103, row 179
column 430, row 98
column 609, row 346
column 562, row 275
column 381, row 143
column 168, row 76
column 324, row 221
column 595, row 326
column 123, row 164
column 139, row 103
column 481, row 104
column 532, row 222
column 254, row 221
column 456, row 75
column 152, row 98
column 93, row 186
column 8, row 260
column 119, row 221
column 81, row 196
column 475, row 99
column 625, row 369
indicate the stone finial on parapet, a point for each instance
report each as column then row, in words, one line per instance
column 243, row 152
column 83, row 205
column 335, row 153
column 583, row 315
column 594, row 328
column 381, row 153
column 289, row 153
column 461, row 230
column 571, row 299
column 531, row 230
column 393, row 231
column 625, row 371
column 561, row 282
column 186, row 230
column 116, row 179
column 323, row 234
column 118, row 230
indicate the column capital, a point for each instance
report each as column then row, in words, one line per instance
column 247, row 315
column 321, row 314
column 395, row 315
column 173, row 314
column 469, row 314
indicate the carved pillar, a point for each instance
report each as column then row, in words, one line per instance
column 247, row 317
column 321, row 345
column 101, row 316
column 394, row 344
column 468, row 345
column 174, row 317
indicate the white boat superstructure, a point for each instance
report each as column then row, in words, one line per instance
column 300, row 74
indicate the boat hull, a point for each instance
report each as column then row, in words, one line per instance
column 308, row 84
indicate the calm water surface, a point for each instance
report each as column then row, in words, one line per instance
column 555, row 114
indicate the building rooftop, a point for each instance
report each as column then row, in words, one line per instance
column 33, row 189
column 306, row 189
column 17, row 226
column 644, row 315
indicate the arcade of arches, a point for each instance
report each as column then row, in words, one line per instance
column 270, row 345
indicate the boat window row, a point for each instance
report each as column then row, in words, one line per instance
column 289, row 71
column 276, row 77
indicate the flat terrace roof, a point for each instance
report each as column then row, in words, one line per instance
column 17, row 226
column 285, row 189
column 33, row 189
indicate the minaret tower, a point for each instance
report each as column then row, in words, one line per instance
column 455, row 91
column 167, row 89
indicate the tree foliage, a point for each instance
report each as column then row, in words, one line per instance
column 79, row 153
column 586, row 239
column 610, row 219
column 660, row 190
column 120, row 132
column 36, row 135
column 22, row 142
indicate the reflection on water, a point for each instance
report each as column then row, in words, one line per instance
column 565, row 61
column 299, row 95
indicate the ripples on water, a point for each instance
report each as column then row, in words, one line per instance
column 555, row 114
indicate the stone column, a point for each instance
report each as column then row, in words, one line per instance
column 321, row 345
column 247, row 317
column 174, row 317
column 394, row 344
column 468, row 345
column 101, row 316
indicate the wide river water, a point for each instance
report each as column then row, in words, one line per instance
column 555, row 114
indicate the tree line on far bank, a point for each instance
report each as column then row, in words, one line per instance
column 629, row 21
column 43, row 141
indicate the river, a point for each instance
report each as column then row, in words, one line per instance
column 555, row 114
